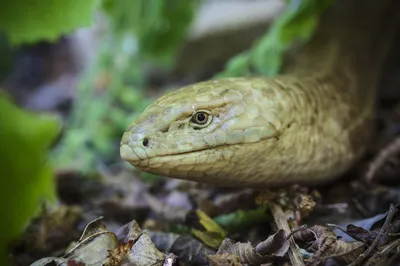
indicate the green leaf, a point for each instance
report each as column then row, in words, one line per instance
column 26, row 179
column 29, row 21
column 213, row 234
column 242, row 220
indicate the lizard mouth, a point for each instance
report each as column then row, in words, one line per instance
column 128, row 155
column 186, row 158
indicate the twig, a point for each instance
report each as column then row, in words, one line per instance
column 390, row 246
column 368, row 252
column 391, row 149
column 383, row 255
column 281, row 223
column 300, row 228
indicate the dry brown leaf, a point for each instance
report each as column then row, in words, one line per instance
column 274, row 247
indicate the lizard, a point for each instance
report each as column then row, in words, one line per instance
column 307, row 125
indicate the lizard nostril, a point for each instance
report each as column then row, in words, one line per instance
column 145, row 142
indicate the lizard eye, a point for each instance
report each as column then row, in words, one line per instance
column 201, row 119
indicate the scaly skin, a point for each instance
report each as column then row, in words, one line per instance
column 308, row 125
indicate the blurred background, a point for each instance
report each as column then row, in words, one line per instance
column 114, row 58
column 74, row 75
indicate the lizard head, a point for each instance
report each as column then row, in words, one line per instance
column 202, row 132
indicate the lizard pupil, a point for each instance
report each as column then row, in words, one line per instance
column 200, row 118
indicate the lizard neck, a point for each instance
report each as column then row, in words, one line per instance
column 352, row 40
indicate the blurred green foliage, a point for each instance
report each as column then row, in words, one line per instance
column 25, row 137
column 107, row 94
column 26, row 179
column 160, row 26
column 30, row 21
column 6, row 55
column 296, row 23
